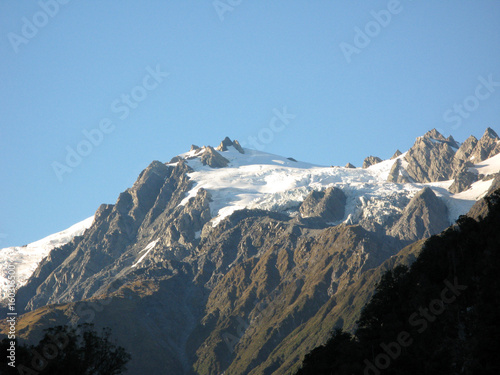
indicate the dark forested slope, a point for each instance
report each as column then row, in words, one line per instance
column 440, row 316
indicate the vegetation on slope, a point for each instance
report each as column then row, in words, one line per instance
column 437, row 317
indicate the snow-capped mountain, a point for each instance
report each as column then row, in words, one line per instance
column 26, row 258
column 234, row 257
column 258, row 180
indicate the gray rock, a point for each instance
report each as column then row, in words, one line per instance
column 487, row 147
column 396, row 154
column 371, row 160
column 213, row 159
column 349, row 165
column 238, row 147
column 397, row 173
column 175, row 159
column 464, row 152
column 424, row 216
column 328, row 204
column 437, row 136
column 430, row 159
column 227, row 142
column 463, row 179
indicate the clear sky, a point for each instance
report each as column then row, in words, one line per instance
column 328, row 82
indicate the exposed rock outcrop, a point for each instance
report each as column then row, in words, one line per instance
column 396, row 154
column 227, row 142
column 486, row 147
column 213, row 159
column 464, row 152
column 463, row 179
column 371, row 160
column 424, row 216
column 397, row 173
column 349, row 165
column 430, row 159
column 328, row 204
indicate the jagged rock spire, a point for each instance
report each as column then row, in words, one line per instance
column 228, row 142
column 371, row 160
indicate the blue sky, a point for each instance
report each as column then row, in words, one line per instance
column 73, row 66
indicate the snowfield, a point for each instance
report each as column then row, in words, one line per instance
column 258, row 180
column 26, row 258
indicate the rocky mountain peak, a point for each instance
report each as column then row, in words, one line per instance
column 489, row 132
column 424, row 216
column 213, row 159
column 396, row 154
column 397, row 174
column 349, row 165
column 328, row 204
column 434, row 135
column 371, row 160
column 228, row 142
column 430, row 158
column 486, row 147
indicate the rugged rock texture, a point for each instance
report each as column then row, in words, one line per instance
column 486, row 147
column 118, row 235
column 200, row 299
column 424, row 216
column 349, row 165
column 249, row 296
column 227, row 142
column 436, row 158
column 398, row 174
column 437, row 136
column 328, row 205
column 463, row 179
column 430, row 159
column 371, row 160
column 213, row 159
column 480, row 208
column 464, row 152
column 396, row 154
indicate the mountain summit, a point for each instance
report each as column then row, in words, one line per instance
column 234, row 260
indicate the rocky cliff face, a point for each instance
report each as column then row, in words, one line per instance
column 424, row 216
column 435, row 158
column 328, row 204
column 430, row 158
column 371, row 160
column 249, row 294
column 398, row 174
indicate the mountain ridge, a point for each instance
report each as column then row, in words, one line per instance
column 206, row 250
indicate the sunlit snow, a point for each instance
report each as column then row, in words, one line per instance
column 26, row 258
column 258, row 180
column 147, row 249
